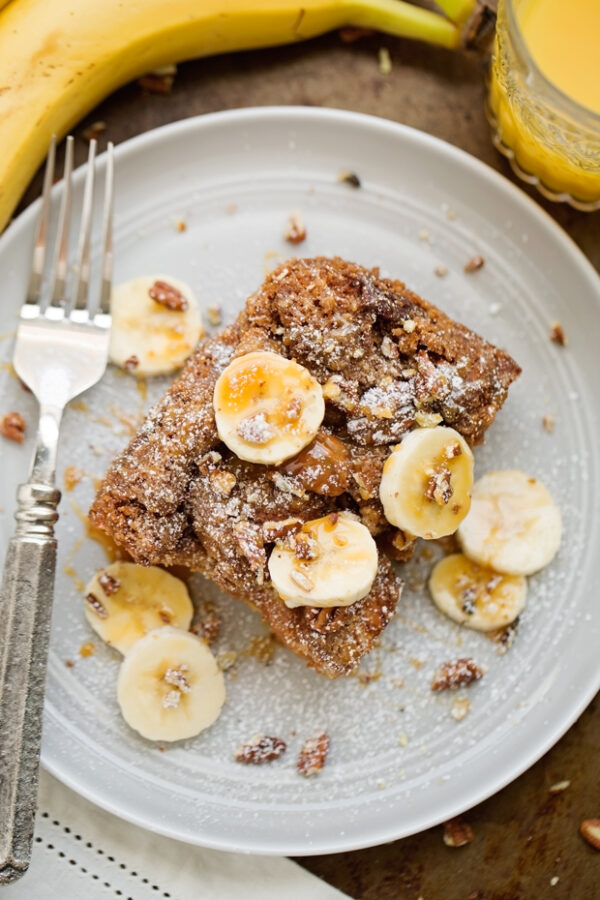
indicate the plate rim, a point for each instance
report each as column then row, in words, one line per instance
column 295, row 115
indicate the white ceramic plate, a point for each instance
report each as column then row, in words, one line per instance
column 399, row 762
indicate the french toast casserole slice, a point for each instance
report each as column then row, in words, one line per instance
column 387, row 361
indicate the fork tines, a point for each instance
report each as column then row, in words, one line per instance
column 77, row 304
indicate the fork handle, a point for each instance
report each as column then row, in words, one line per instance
column 25, row 612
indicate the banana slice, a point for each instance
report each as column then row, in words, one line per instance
column 156, row 324
column 125, row 601
column 267, row 408
column 476, row 596
column 426, row 483
column 332, row 561
column 514, row 525
column 169, row 686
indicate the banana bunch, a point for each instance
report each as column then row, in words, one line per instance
column 59, row 58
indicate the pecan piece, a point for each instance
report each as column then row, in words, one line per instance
column 260, row 749
column 457, row 833
column 475, row 263
column 590, row 830
column 249, row 540
column 557, row 334
column 13, row 427
column 452, row 675
column 93, row 131
column 313, row 755
column 295, row 232
column 131, row 363
column 350, row 178
column 168, row 296
column 274, row 530
column 95, row 604
column 325, row 620
column 439, row 487
column 108, row 583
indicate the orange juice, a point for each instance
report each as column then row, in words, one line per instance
column 545, row 95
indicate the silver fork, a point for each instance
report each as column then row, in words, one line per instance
column 61, row 350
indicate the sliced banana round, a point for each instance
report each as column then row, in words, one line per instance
column 125, row 601
column 426, row 484
column 476, row 596
column 331, row 561
column 267, row 408
column 156, row 323
column 514, row 525
column 170, row 686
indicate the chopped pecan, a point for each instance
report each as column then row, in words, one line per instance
column 455, row 674
column 295, row 232
column 590, row 830
column 313, row 755
column 557, row 334
column 505, row 637
column 208, row 627
column 350, row 178
column 548, row 423
column 93, row 131
column 439, row 487
column 13, row 427
column 131, row 363
column 475, row 263
column 325, row 620
column 251, row 544
column 159, row 82
column 168, row 296
column 397, row 545
column 108, row 583
column 260, row 749
column 95, row 604
column 275, row 530
column 457, row 833
column 222, row 482
column 460, row 708
column 305, row 546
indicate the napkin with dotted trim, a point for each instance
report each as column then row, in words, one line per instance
column 81, row 851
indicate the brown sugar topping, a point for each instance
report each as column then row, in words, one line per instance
column 260, row 749
column 13, row 427
column 168, row 296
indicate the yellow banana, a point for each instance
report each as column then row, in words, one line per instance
column 59, row 58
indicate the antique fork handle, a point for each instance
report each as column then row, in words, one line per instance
column 25, row 613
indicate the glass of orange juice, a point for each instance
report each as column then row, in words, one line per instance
column 544, row 96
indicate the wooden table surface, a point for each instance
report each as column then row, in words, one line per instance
column 525, row 838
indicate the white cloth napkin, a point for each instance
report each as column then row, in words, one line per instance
column 81, row 851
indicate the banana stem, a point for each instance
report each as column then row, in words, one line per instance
column 458, row 10
column 402, row 19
